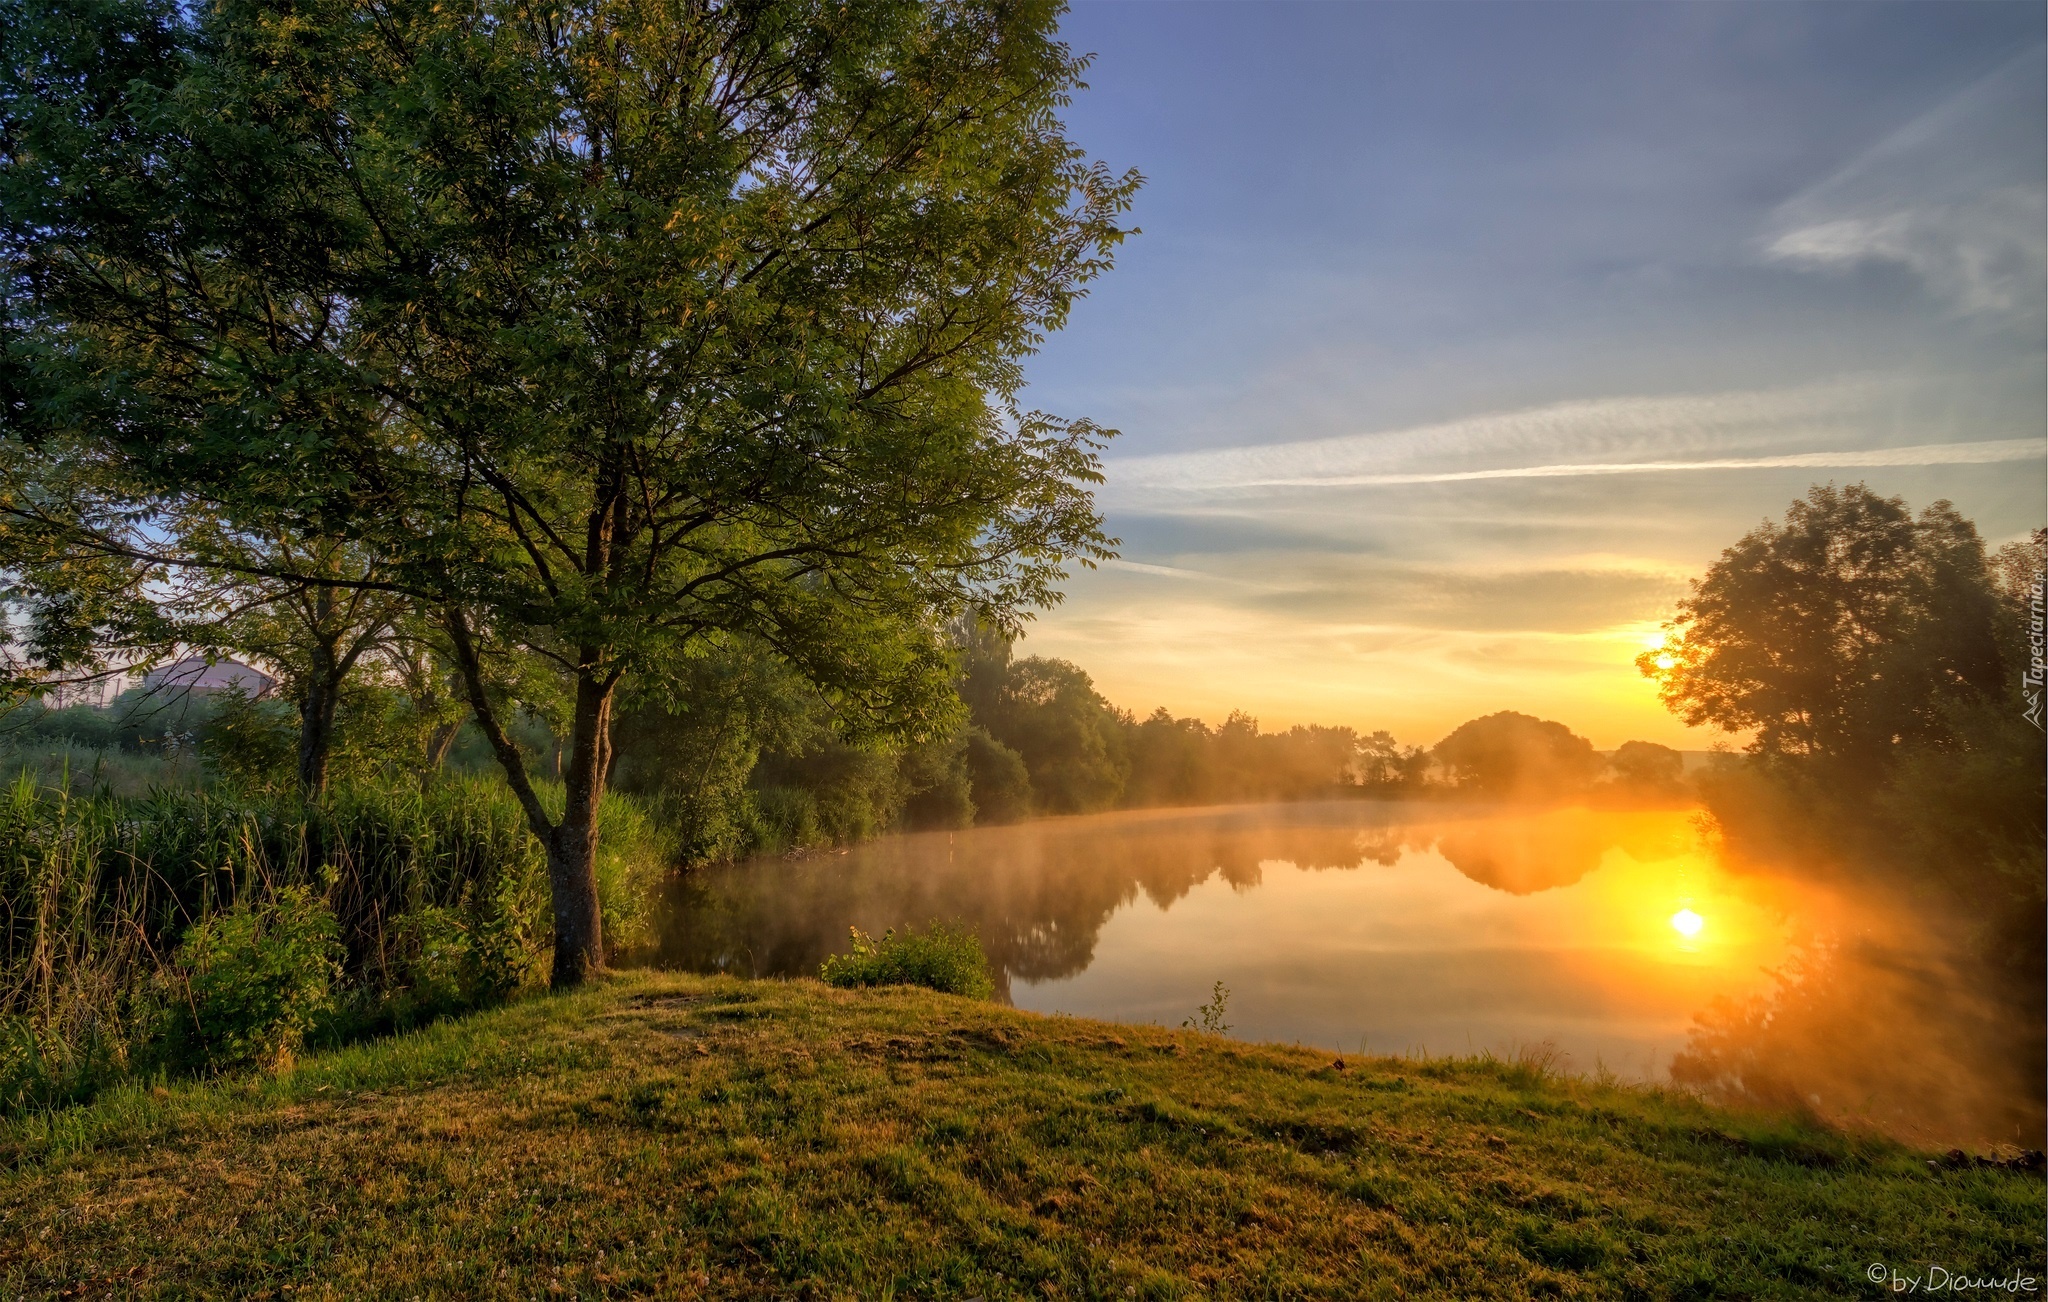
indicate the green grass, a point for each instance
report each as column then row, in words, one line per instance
column 946, row 958
column 678, row 1137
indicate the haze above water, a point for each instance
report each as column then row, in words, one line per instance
column 1425, row 929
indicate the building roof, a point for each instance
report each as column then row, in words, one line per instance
column 197, row 674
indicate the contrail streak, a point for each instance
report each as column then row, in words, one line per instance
column 1925, row 454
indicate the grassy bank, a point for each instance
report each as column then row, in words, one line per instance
column 667, row 1136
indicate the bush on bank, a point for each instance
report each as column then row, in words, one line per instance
column 947, row 958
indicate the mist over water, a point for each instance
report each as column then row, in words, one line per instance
column 1623, row 938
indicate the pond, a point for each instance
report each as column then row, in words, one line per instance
column 1613, row 941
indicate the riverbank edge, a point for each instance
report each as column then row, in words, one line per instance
column 668, row 1135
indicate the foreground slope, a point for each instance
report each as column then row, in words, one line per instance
column 668, row 1136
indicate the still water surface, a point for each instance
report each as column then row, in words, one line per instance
column 1389, row 928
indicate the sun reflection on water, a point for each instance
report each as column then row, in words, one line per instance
column 1624, row 936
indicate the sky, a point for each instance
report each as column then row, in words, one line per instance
column 1459, row 337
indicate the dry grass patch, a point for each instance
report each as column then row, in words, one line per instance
column 679, row 1137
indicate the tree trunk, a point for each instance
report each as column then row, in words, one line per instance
column 317, row 705
column 439, row 742
column 572, row 847
column 572, row 843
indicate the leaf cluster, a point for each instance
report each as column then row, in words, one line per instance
column 617, row 325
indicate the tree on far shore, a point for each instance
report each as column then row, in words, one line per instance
column 1848, row 630
column 1510, row 755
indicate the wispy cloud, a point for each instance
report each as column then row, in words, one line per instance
column 1951, row 196
column 1929, row 454
column 1163, row 571
column 1604, row 436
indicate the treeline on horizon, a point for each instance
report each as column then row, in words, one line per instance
column 743, row 758
column 1038, row 739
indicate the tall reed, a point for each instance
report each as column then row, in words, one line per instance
column 439, row 897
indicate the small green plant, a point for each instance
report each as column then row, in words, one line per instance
column 253, row 981
column 946, row 958
column 501, row 926
column 1211, row 1013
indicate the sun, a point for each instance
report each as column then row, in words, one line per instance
column 1687, row 923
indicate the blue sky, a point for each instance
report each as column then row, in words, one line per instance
column 1408, row 271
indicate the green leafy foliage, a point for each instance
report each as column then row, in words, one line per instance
column 1049, row 712
column 438, row 964
column 437, row 899
column 1838, row 634
column 248, row 740
column 1210, row 1017
column 738, row 755
column 998, row 784
column 768, row 391
column 829, row 792
column 945, row 958
column 938, row 788
column 251, row 982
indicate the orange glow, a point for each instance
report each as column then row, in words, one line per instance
column 1415, row 682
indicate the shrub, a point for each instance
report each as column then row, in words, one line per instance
column 506, row 927
column 781, row 819
column 998, row 783
column 940, row 792
column 250, row 741
column 437, row 965
column 946, row 958
column 251, row 982
column 633, row 854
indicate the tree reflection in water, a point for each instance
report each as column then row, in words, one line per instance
column 1039, row 893
column 1866, row 1026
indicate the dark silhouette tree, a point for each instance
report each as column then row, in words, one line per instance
column 1517, row 756
column 1843, row 632
column 1645, row 766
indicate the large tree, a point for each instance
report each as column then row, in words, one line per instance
column 1848, row 629
column 610, row 328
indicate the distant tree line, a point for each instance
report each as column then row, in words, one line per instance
column 747, row 759
column 738, row 754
